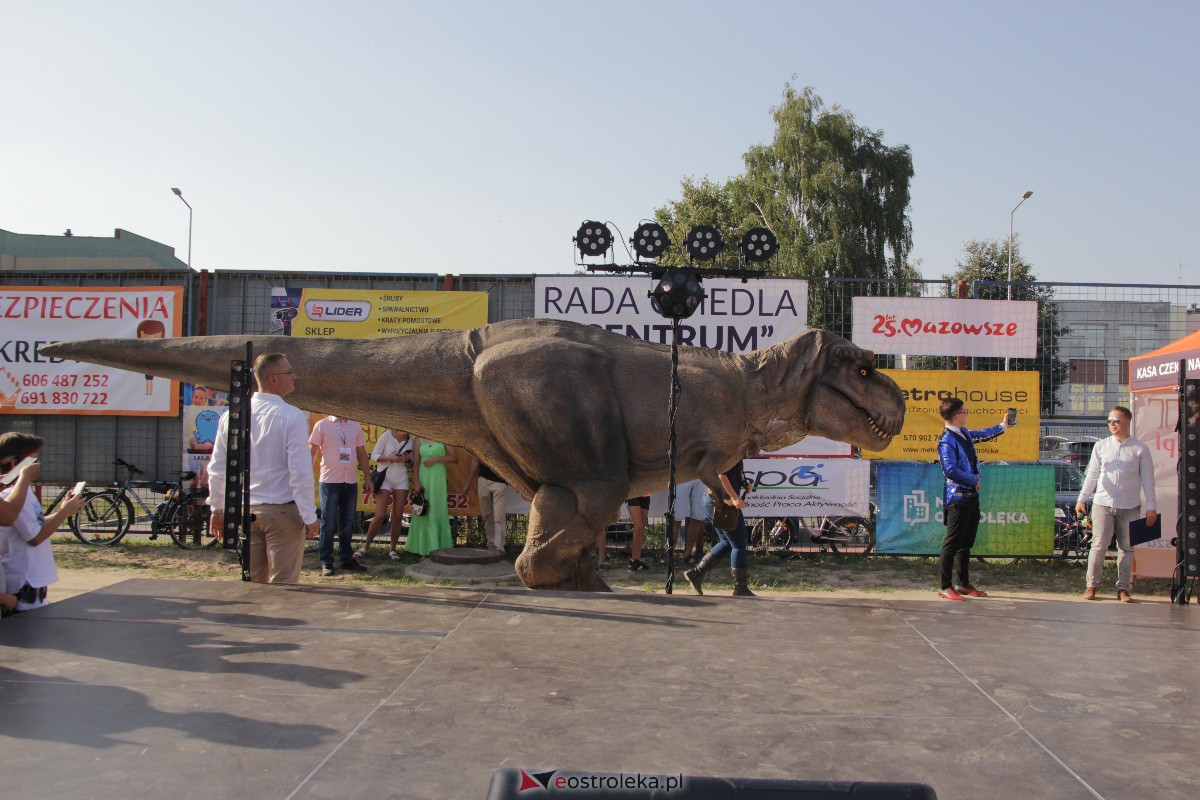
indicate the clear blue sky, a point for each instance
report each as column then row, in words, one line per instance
column 473, row 137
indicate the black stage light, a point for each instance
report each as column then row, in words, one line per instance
column 650, row 241
column 703, row 242
column 678, row 293
column 593, row 238
column 759, row 244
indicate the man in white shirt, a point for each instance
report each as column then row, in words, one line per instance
column 281, row 475
column 1119, row 473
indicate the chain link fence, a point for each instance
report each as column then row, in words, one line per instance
column 1088, row 332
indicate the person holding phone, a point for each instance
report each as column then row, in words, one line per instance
column 960, row 466
column 27, row 562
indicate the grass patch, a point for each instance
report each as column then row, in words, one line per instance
column 805, row 573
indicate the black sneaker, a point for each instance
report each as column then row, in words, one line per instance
column 636, row 565
column 353, row 566
column 326, row 570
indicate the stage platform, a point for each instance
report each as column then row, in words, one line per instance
column 191, row 689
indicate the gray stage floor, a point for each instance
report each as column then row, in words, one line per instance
column 227, row 690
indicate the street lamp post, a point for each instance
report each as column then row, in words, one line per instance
column 1024, row 197
column 179, row 194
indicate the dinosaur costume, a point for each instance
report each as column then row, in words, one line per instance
column 571, row 416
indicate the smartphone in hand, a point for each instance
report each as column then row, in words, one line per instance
column 1011, row 417
column 79, row 487
column 12, row 474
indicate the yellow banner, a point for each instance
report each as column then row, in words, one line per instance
column 986, row 395
column 361, row 314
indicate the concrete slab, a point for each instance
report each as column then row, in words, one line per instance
column 217, row 689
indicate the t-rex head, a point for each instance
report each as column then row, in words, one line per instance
column 836, row 392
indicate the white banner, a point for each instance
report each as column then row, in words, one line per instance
column 785, row 488
column 808, row 488
column 938, row 326
column 735, row 317
column 812, row 446
column 32, row 316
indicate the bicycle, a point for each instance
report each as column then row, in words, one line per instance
column 1072, row 535
column 829, row 532
column 108, row 514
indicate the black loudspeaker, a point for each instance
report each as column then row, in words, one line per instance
column 526, row 784
column 1187, row 543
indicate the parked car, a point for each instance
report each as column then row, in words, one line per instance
column 1068, row 482
column 1074, row 451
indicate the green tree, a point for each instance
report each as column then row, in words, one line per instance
column 832, row 192
column 984, row 265
column 835, row 195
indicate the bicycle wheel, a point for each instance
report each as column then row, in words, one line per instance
column 758, row 534
column 186, row 523
column 856, row 531
column 782, row 537
column 104, row 519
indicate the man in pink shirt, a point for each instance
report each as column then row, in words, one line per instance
column 343, row 449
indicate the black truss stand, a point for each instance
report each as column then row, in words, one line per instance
column 236, row 525
column 1187, row 537
column 672, row 410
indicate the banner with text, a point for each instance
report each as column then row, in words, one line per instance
column 942, row 326
column 986, row 395
column 735, row 317
column 361, row 314
column 808, row 488
column 1016, row 504
column 31, row 383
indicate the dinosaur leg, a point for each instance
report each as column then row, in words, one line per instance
column 563, row 526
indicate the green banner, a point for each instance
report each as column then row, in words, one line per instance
column 1016, row 507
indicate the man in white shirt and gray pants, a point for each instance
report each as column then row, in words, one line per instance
column 281, row 476
column 1118, row 474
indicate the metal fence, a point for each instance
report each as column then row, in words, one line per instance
column 1089, row 332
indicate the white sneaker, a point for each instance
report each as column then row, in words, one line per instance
column 393, row 555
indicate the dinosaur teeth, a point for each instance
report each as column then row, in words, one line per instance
column 878, row 430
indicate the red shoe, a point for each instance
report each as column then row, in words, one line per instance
column 950, row 594
column 971, row 591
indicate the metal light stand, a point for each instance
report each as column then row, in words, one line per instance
column 672, row 409
column 237, row 521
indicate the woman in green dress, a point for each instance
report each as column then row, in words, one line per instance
column 431, row 530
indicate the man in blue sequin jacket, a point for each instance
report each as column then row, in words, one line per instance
column 960, row 465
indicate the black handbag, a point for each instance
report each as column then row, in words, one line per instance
column 419, row 507
column 377, row 476
column 725, row 516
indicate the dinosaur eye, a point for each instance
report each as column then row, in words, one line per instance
column 864, row 371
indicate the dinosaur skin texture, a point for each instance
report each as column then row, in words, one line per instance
column 573, row 417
